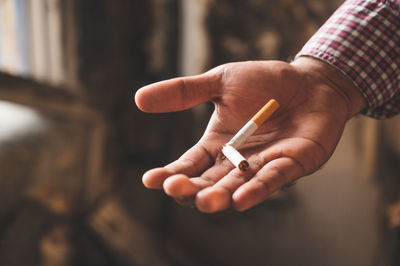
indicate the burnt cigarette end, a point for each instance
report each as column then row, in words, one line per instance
column 243, row 166
column 235, row 157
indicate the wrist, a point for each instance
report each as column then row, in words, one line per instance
column 319, row 72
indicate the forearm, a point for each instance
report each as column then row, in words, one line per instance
column 361, row 41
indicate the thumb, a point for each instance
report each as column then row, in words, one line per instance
column 179, row 93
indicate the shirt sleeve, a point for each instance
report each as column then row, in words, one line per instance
column 362, row 39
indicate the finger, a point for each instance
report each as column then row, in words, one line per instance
column 218, row 197
column 179, row 186
column 192, row 163
column 179, row 93
column 186, row 201
column 155, row 178
column 213, row 174
column 267, row 180
column 182, row 187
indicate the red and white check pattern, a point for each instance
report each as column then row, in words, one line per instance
column 362, row 39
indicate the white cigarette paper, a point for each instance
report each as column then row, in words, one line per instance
column 243, row 134
column 235, row 157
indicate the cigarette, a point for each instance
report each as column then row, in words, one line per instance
column 229, row 150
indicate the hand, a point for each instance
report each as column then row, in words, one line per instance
column 315, row 103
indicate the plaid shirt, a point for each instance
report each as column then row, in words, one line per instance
column 362, row 39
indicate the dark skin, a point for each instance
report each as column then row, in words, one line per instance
column 315, row 100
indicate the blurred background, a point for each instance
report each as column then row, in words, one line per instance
column 73, row 145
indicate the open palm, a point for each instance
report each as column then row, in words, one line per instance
column 294, row 142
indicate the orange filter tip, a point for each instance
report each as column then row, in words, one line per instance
column 268, row 109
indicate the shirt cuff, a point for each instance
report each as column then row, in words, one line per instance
column 362, row 40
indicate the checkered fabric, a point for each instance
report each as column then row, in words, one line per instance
column 362, row 39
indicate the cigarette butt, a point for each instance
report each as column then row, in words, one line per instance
column 235, row 157
column 269, row 108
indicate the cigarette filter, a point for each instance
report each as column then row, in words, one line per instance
column 265, row 112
